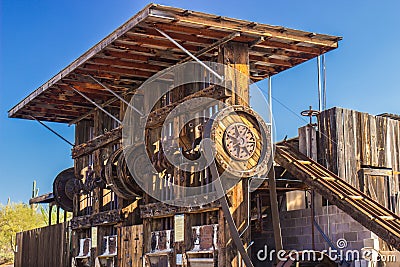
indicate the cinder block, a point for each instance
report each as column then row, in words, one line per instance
column 284, row 215
column 306, row 213
column 350, row 236
column 345, row 217
column 306, row 230
column 305, row 239
column 332, row 209
column 342, row 227
column 355, row 226
column 295, row 213
column 371, row 243
column 299, row 222
column 319, row 246
column 292, row 240
column 362, row 263
column 296, row 231
column 332, row 229
column 322, row 220
column 357, row 245
column 364, row 235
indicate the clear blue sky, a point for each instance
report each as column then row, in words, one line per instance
column 39, row 38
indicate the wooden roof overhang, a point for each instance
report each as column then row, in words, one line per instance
column 136, row 51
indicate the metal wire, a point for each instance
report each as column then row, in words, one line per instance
column 54, row 132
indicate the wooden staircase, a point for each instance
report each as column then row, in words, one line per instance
column 372, row 215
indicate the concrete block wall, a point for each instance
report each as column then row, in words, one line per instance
column 297, row 229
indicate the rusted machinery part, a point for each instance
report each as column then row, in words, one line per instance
column 139, row 169
column 104, row 154
column 241, row 141
column 190, row 146
column 64, row 188
column 103, row 175
column 160, row 161
column 190, row 137
column 305, row 257
column 111, row 174
column 136, row 156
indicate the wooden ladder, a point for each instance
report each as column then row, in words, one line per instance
column 372, row 215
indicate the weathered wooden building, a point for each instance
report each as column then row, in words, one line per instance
column 117, row 223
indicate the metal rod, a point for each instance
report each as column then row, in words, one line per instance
column 97, row 105
column 116, row 95
column 189, row 54
column 228, row 216
column 319, row 84
column 272, row 184
column 54, row 132
column 324, row 81
column 105, row 104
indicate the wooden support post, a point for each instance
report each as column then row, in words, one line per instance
column 275, row 211
column 50, row 210
column 58, row 214
column 236, row 56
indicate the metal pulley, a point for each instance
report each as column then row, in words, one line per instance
column 64, row 188
column 118, row 176
column 136, row 157
column 111, row 175
column 241, row 140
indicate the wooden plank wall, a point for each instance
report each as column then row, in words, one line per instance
column 349, row 140
column 130, row 246
column 44, row 247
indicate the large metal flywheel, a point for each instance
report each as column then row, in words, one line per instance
column 241, row 141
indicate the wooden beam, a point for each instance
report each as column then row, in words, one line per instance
column 212, row 46
column 120, row 71
column 101, row 218
column 120, row 63
column 157, row 117
column 126, row 55
column 75, row 103
column 199, row 31
column 46, row 198
column 262, row 31
column 161, row 42
column 178, row 36
column 292, row 47
column 96, row 143
column 269, row 51
column 162, row 57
